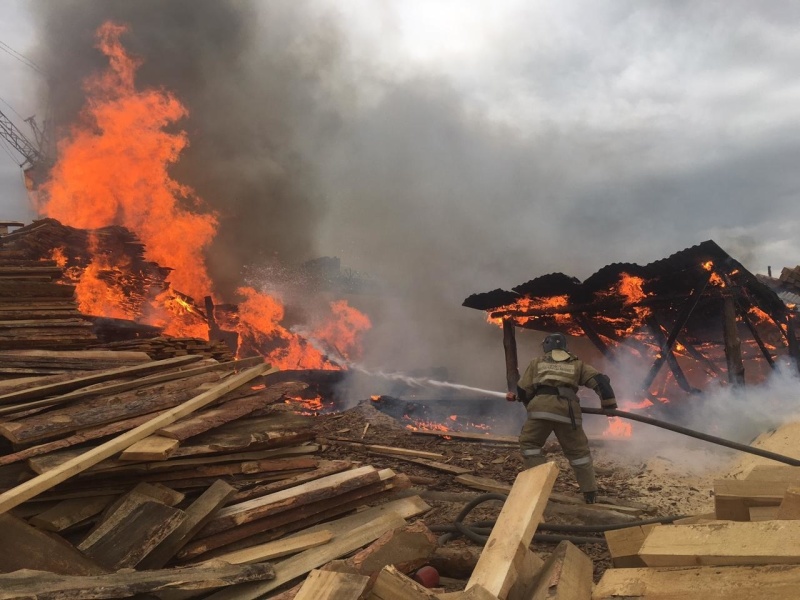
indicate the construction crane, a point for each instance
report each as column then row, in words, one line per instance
column 36, row 160
column 31, row 154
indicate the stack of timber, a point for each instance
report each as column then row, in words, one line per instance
column 36, row 310
column 184, row 474
column 749, row 547
column 159, row 348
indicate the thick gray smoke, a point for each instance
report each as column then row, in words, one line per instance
column 598, row 136
column 251, row 86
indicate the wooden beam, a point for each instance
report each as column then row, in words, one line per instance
column 733, row 345
column 624, row 545
column 790, row 505
column 274, row 549
column 330, row 585
column 70, row 512
column 680, row 322
column 153, row 447
column 566, row 575
column 404, row 452
column 300, row 564
column 198, row 514
column 79, row 382
column 37, row 485
column 131, row 532
column 723, row 543
column 518, row 520
column 776, row 582
column 510, row 349
column 125, row 584
column 26, row 547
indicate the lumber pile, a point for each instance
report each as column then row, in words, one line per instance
column 182, row 474
column 749, row 547
column 161, row 347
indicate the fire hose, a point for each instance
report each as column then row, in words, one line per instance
column 692, row 433
column 479, row 532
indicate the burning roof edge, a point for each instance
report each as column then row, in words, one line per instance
column 682, row 263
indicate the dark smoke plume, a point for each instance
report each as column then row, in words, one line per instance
column 251, row 88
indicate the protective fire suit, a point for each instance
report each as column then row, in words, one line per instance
column 549, row 388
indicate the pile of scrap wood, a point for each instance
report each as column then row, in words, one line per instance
column 36, row 311
column 181, row 476
column 749, row 547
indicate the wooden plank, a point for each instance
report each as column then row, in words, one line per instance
column 330, row 585
column 391, row 584
column 723, row 543
column 79, row 437
column 407, row 548
column 34, row 487
column 776, row 582
column 483, row 483
column 275, row 549
column 258, row 508
column 273, row 527
column 624, row 545
column 115, row 387
column 131, row 532
column 790, row 505
column 733, row 497
column 26, row 547
column 70, row 512
column 404, row 452
column 90, row 412
column 79, row 382
column 438, row 466
column 785, row 473
column 154, row 447
column 527, row 566
column 472, row 437
column 229, row 411
column 566, row 575
column 518, row 520
column 197, row 515
column 50, row 586
column 300, row 564
column 325, row 468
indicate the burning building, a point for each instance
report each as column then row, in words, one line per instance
column 699, row 311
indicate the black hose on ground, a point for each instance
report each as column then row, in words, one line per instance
column 692, row 433
column 479, row 532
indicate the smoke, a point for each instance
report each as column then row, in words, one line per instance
column 310, row 137
column 251, row 82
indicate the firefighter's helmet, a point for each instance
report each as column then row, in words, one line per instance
column 554, row 341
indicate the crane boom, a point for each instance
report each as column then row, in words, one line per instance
column 19, row 142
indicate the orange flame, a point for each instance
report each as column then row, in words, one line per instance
column 113, row 170
column 59, row 257
column 618, row 428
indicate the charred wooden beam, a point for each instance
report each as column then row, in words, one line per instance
column 697, row 354
column 585, row 323
column 733, row 345
column 510, row 348
column 742, row 312
column 677, row 371
column 680, row 322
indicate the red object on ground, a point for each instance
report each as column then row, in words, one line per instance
column 427, row 576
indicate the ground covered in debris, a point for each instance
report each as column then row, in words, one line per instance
column 630, row 488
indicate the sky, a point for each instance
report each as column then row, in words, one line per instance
column 449, row 147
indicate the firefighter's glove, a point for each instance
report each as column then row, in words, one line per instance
column 511, row 397
column 610, row 406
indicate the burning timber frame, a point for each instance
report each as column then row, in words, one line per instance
column 683, row 299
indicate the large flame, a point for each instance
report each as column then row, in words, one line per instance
column 113, row 169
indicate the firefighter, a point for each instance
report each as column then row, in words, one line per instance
column 549, row 390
